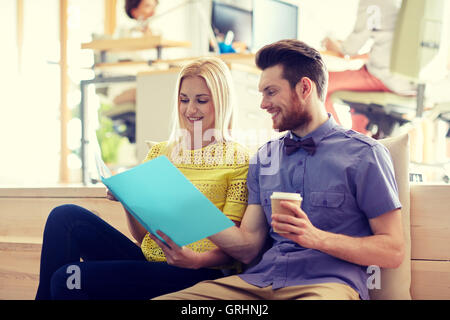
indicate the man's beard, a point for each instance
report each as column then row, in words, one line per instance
column 297, row 118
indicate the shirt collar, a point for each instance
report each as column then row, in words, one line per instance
column 318, row 134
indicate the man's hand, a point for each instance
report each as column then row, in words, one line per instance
column 385, row 248
column 298, row 226
column 182, row 257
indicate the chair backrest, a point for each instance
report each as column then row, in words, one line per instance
column 396, row 283
column 418, row 38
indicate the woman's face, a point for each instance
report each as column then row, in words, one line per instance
column 145, row 9
column 195, row 106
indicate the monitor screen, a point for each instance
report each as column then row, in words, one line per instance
column 227, row 17
column 273, row 20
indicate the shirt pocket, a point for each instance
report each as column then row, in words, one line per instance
column 327, row 199
column 326, row 209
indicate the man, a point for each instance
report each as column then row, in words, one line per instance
column 350, row 215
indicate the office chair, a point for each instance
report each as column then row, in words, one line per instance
column 416, row 44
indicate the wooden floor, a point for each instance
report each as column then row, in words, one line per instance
column 24, row 212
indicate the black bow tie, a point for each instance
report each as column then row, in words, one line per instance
column 292, row 145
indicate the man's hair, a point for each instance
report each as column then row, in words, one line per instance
column 130, row 5
column 298, row 60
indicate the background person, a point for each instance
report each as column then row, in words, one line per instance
column 375, row 23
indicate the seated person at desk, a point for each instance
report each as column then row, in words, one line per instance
column 114, row 267
column 376, row 20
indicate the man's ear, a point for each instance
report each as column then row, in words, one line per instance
column 304, row 88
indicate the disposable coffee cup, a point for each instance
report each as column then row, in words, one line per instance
column 276, row 199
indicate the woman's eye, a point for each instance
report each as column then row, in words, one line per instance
column 184, row 100
column 203, row 101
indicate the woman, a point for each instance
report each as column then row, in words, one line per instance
column 113, row 266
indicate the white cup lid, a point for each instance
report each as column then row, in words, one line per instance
column 286, row 196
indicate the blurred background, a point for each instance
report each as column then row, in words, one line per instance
column 42, row 64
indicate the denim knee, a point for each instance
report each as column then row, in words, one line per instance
column 66, row 212
column 65, row 283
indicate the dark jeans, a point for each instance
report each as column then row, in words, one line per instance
column 113, row 266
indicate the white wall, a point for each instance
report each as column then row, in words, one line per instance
column 30, row 106
column 318, row 19
column 29, row 127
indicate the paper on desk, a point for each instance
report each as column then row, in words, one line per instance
column 160, row 197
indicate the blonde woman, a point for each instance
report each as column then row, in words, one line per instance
column 113, row 266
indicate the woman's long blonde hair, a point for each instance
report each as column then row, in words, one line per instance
column 218, row 79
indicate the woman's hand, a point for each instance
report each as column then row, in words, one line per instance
column 182, row 257
column 110, row 196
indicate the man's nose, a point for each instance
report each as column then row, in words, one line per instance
column 265, row 103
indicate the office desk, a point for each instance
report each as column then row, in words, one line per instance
column 133, row 44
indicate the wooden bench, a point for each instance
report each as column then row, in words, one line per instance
column 24, row 212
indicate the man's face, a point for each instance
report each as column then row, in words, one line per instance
column 281, row 101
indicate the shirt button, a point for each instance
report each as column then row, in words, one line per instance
column 324, row 202
column 300, row 163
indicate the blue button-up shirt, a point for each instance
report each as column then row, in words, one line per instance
column 348, row 180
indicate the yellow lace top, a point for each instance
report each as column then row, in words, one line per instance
column 219, row 171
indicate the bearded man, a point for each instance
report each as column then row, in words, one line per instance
column 350, row 216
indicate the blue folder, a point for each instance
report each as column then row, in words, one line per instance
column 160, row 197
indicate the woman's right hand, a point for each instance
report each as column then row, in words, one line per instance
column 110, row 196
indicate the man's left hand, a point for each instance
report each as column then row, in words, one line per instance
column 297, row 226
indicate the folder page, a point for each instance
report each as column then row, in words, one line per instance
column 160, row 197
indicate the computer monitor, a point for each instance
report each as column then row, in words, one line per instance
column 273, row 20
column 226, row 17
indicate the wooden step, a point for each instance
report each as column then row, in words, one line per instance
column 430, row 280
column 19, row 268
column 24, row 213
